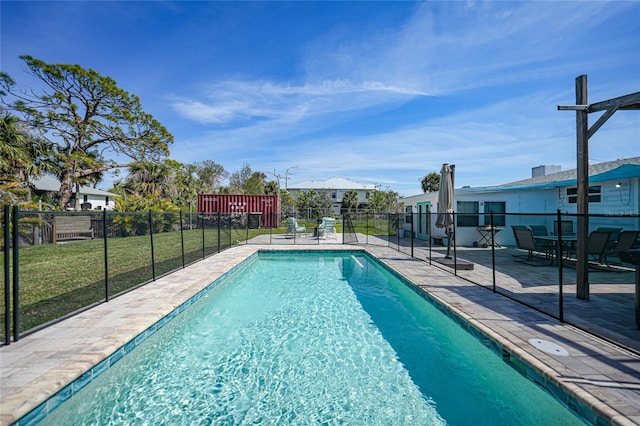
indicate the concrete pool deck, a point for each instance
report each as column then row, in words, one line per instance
column 605, row 377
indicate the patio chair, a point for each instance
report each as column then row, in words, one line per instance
column 327, row 228
column 293, row 228
column 545, row 247
column 596, row 245
column 539, row 230
column 613, row 237
column 625, row 242
column 524, row 240
column 566, row 226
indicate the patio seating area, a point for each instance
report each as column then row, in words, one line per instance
column 609, row 312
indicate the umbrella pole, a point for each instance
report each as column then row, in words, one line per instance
column 449, row 233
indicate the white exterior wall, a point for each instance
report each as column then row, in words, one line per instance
column 97, row 201
column 100, row 202
column 614, row 204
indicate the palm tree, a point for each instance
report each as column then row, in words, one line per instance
column 149, row 178
column 22, row 157
column 350, row 200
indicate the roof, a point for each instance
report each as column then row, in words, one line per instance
column 333, row 183
column 625, row 168
column 49, row 183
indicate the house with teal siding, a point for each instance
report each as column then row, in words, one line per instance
column 614, row 201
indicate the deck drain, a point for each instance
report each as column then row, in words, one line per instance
column 549, row 347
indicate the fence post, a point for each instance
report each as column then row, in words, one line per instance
column 246, row 239
column 106, row 254
column 219, row 232
column 412, row 218
column 202, row 223
column 559, row 257
column 493, row 250
column 16, row 276
column 366, row 225
column 153, row 257
column 182, row 238
column 7, row 276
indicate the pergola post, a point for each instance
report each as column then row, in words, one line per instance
column 582, row 178
column 583, row 109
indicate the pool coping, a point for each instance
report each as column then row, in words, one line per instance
column 57, row 361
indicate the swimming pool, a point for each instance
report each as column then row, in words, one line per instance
column 308, row 338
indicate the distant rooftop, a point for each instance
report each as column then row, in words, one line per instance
column 49, row 183
column 333, row 183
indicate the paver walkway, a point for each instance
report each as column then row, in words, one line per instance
column 604, row 376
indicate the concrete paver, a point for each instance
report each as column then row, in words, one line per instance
column 602, row 375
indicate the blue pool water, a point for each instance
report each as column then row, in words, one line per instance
column 311, row 339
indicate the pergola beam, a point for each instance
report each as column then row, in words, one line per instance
column 583, row 133
column 610, row 106
column 631, row 101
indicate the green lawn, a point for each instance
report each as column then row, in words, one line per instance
column 57, row 279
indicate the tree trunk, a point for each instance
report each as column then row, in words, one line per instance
column 77, row 204
column 66, row 188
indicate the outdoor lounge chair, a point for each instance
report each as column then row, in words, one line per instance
column 327, row 228
column 524, row 240
column 539, row 230
column 613, row 237
column 596, row 245
column 542, row 246
column 626, row 240
column 293, row 228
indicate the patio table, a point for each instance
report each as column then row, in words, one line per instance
column 485, row 236
column 567, row 243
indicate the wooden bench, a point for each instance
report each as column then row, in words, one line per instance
column 72, row 228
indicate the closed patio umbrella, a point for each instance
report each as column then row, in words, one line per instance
column 445, row 204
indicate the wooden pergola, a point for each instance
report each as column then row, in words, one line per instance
column 583, row 109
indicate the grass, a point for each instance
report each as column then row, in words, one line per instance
column 58, row 279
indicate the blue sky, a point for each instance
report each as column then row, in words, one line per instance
column 377, row 92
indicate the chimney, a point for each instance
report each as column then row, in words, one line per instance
column 544, row 170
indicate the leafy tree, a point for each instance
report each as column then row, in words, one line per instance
column 393, row 203
column 271, row 187
column 210, row 174
column 431, row 182
column 81, row 111
column 316, row 202
column 137, row 224
column 384, row 201
column 255, row 184
column 350, row 200
column 287, row 202
column 185, row 183
column 239, row 178
column 22, row 156
column 378, row 200
column 22, row 153
column 148, row 178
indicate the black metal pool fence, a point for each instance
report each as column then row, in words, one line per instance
column 56, row 264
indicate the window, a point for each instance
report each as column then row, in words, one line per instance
column 85, row 198
column 468, row 213
column 408, row 214
column 594, row 194
column 334, row 195
column 498, row 208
